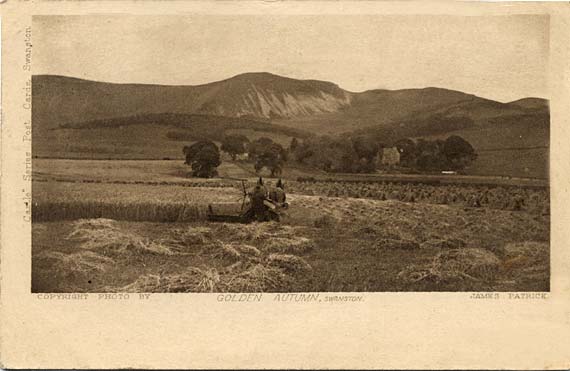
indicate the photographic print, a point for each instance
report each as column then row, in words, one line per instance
column 290, row 153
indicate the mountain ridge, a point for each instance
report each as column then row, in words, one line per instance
column 61, row 99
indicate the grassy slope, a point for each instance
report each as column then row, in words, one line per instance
column 147, row 137
column 514, row 150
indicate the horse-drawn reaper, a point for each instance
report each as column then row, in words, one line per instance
column 258, row 204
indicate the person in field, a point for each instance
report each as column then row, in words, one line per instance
column 258, row 197
column 277, row 194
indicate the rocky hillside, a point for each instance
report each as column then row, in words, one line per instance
column 62, row 100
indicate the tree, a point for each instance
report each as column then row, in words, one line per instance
column 303, row 151
column 366, row 148
column 269, row 155
column 258, row 146
column 430, row 155
column 458, row 152
column 234, row 145
column 191, row 151
column 204, row 157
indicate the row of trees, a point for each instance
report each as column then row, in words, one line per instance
column 204, row 156
column 454, row 153
column 358, row 154
column 339, row 154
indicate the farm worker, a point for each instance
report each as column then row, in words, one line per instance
column 260, row 183
column 277, row 193
column 258, row 198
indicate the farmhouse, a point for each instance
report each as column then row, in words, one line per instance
column 390, row 156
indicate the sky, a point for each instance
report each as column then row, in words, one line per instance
column 497, row 57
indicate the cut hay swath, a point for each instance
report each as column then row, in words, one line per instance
column 289, row 263
column 528, row 260
column 292, row 244
column 103, row 235
column 387, row 243
column 452, row 265
column 259, row 278
column 84, row 262
column 193, row 280
column 273, row 274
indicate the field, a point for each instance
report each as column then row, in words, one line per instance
column 145, row 229
column 147, row 171
column 325, row 244
column 515, row 150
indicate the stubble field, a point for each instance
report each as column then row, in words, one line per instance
column 110, row 237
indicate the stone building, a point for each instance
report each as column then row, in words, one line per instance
column 390, row 156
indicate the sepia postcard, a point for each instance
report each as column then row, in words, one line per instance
column 258, row 184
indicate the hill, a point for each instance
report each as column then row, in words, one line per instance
column 60, row 100
column 311, row 105
column 108, row 120
column 148, row 136
column 531, row 103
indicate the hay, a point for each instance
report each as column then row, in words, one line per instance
column 388, row 243
column 193, row 280
column 289, row 263
column 529, row 260
column 446, row 243
column 248, row 250
column 378, row 231
column 290, row 244
column 259, row 232
column 229, row 250
column 83, row 263
column 186, row 237
column 534, row 250
column 259, row 278
column 453, row 265
column 249, row 232
column 104, row 235
column 256, row 278
column 325, row 221
column 145, row 283
column 235, row 251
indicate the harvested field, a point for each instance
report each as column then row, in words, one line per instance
column 323, row 244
